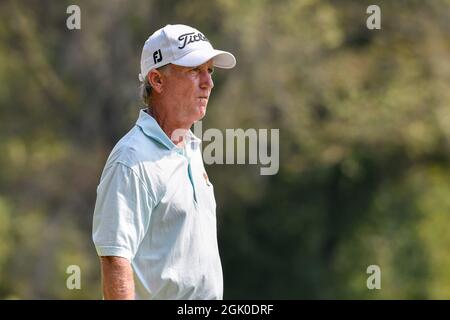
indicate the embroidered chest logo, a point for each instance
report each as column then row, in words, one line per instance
column 206, row 179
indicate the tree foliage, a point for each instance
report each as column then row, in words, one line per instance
column 364, row 119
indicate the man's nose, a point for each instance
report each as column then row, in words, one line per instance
column 206, row 81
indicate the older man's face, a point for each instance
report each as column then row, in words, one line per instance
column 189, row 89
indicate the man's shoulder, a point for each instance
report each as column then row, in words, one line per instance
column 135, row 148
column 140, row 155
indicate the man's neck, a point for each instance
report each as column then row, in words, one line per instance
column 175, row 131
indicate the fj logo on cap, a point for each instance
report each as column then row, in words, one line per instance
column 157, row 56
column 187, row 38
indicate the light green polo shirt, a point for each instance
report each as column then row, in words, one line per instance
column 155, row 207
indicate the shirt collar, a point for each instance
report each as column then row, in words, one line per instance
column 152, row 130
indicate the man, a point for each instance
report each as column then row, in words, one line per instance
column 154, row 223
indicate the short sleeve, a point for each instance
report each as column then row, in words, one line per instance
column 122, row 212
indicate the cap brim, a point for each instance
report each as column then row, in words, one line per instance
column 221, row 59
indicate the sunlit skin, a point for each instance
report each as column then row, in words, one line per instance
column 180, row 96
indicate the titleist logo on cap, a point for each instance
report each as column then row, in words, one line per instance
column 190, row 37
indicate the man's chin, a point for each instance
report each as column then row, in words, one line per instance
column 198, row 117
column 201, row 116
column 201, row 112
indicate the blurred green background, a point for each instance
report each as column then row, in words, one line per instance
column 364, row 119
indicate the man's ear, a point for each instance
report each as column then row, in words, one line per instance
column 155, row 80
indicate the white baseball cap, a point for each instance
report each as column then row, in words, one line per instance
column 181, row 45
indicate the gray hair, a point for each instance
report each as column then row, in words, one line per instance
column 146, row 92
column 146, row 87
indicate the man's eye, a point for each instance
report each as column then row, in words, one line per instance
column 210, row 70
